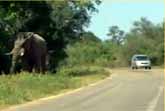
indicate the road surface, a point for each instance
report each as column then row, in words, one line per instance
column 126, row 90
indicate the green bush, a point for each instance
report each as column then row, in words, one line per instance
column 80, row 70
column 88, row 53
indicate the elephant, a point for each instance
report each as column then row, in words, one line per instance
column 31, row 50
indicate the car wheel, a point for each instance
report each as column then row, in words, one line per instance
column 149, row 67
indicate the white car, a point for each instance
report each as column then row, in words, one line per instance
column 140, row 61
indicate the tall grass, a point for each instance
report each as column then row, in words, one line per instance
column 19, row 88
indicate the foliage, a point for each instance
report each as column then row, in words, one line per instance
column 69, row 44
column 90, row 53
column 80, row 70
column 116, row 34
column 59, row 22
column 145, row 38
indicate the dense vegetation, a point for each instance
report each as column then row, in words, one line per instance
column 59, row 22
column 144, row 38
column 62, row 24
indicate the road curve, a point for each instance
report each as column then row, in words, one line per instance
column 126, row 90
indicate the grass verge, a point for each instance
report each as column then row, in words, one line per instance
column 24, row 87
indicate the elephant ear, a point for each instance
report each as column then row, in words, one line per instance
column 27, row 44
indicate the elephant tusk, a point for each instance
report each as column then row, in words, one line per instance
column 22, row 53
column 9, row 53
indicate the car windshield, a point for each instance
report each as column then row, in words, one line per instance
column 142, row 58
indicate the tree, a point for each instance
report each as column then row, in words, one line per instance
column 89, row 37
column 59, row 22
column 116, row 34
column 145, row 38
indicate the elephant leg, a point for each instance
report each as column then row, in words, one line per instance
column 43, row 64
column 38, row 66
column 30, row 68
column 6, row 71
column 1, row 70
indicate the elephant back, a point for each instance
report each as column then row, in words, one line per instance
column 40, row 41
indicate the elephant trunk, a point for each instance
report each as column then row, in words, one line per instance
column 15, row 66
column 12, row 69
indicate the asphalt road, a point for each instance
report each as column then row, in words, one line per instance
column 126, row 90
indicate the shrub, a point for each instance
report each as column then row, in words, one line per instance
column 80, row 70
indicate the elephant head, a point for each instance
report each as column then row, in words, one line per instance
column 19, row 49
